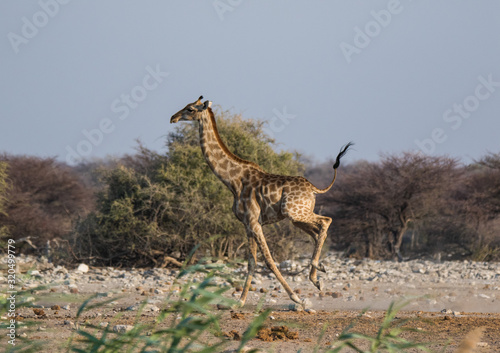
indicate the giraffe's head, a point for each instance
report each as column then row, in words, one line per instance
column 191, row 112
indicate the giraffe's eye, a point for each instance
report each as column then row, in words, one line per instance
column 191, row 109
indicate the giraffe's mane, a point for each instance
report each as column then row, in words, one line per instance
column 224, row 147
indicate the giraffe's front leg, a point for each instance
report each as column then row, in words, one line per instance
column 256, row 230
column 252, row 259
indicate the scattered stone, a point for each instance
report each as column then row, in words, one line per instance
column 223, row 307
column 82, row 268
column 66, row 307
column 73, row 290
column 295, row 307
column 307, row 304
column 263, row 290
column 122, row 328
column 336, row 295
column 132, row 307
column 153, row 308
column 55, row 307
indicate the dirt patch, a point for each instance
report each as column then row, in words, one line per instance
column 237, row 316
column 277, row 333
column 233, row 335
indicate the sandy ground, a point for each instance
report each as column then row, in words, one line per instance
column 443, row 313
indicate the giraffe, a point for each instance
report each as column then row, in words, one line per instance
column 261, row 198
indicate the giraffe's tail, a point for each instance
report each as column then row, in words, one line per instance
column 342, row 152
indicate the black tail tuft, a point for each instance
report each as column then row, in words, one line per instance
column 343, row 151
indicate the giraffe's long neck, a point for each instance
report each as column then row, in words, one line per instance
column 225, row 165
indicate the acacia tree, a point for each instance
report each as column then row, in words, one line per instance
column 474, row 223
column 378, row 203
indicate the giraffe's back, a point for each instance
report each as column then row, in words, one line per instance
column 276, row 194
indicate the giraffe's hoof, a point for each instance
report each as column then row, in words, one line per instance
column 223, row 307
column 319, row 285
column 296, row 298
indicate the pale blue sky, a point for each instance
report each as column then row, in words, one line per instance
column 389, row 75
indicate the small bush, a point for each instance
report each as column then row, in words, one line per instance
column 42, row 202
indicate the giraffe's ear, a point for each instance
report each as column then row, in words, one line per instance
column 207, row 104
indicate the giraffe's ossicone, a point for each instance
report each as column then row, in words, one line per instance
column 261, row 198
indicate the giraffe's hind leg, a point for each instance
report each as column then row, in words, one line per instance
column 298, row 207
column 316, row 227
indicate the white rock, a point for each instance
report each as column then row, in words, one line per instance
column 153, row 308
column 122, row 328
column 307, row 304
column 82, row 268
